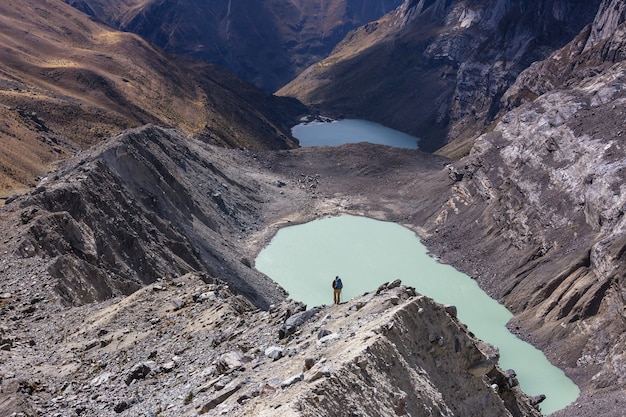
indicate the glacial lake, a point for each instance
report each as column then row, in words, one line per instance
column 338, row 132
column 366, row 253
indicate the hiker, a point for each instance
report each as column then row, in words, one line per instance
column 337, row 286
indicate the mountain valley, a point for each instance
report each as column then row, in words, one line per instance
column 264, row 42
column 437, row 69
column 139, row 188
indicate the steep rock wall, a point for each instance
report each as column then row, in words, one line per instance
column 547, row 184
column 539, row 205
column 596, row 49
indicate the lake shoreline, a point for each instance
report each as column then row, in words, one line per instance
column 324, row 131
column 342, row 245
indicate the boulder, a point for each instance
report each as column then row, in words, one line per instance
column 295, row 321
column 274, row 352
column 139, row 371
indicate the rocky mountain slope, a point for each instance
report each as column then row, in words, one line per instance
column 190, row 346
column 437, row 69
column 265, row 42
column 143, row 206
column 67, row 82
column 549, row 178
column 151, row 205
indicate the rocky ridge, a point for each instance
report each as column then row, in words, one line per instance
column 190, row 346
column 145, row 205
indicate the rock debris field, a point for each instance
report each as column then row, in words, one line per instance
column 190, row 346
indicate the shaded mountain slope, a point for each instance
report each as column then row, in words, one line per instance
column 68, row 82
column 437, row 69
column 265, row 42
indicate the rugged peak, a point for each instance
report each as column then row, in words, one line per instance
column 412, row 9
column 595, row 49
column 611, row 15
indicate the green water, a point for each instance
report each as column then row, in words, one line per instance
column 365, row 253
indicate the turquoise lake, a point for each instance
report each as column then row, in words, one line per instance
column 365, row 253
column 338, row 132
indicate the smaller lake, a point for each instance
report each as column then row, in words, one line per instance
column 365, row 253
column 338, row 132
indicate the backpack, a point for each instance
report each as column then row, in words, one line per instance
column 337, row 284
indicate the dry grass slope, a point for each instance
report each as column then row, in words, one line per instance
column 67, row 81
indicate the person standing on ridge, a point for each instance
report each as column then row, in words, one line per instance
column 337, row 286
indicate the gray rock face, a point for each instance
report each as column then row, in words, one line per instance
column 610, row 17
column 594, row 50
column 549, row 179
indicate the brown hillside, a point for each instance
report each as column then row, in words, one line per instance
column 67, row 81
